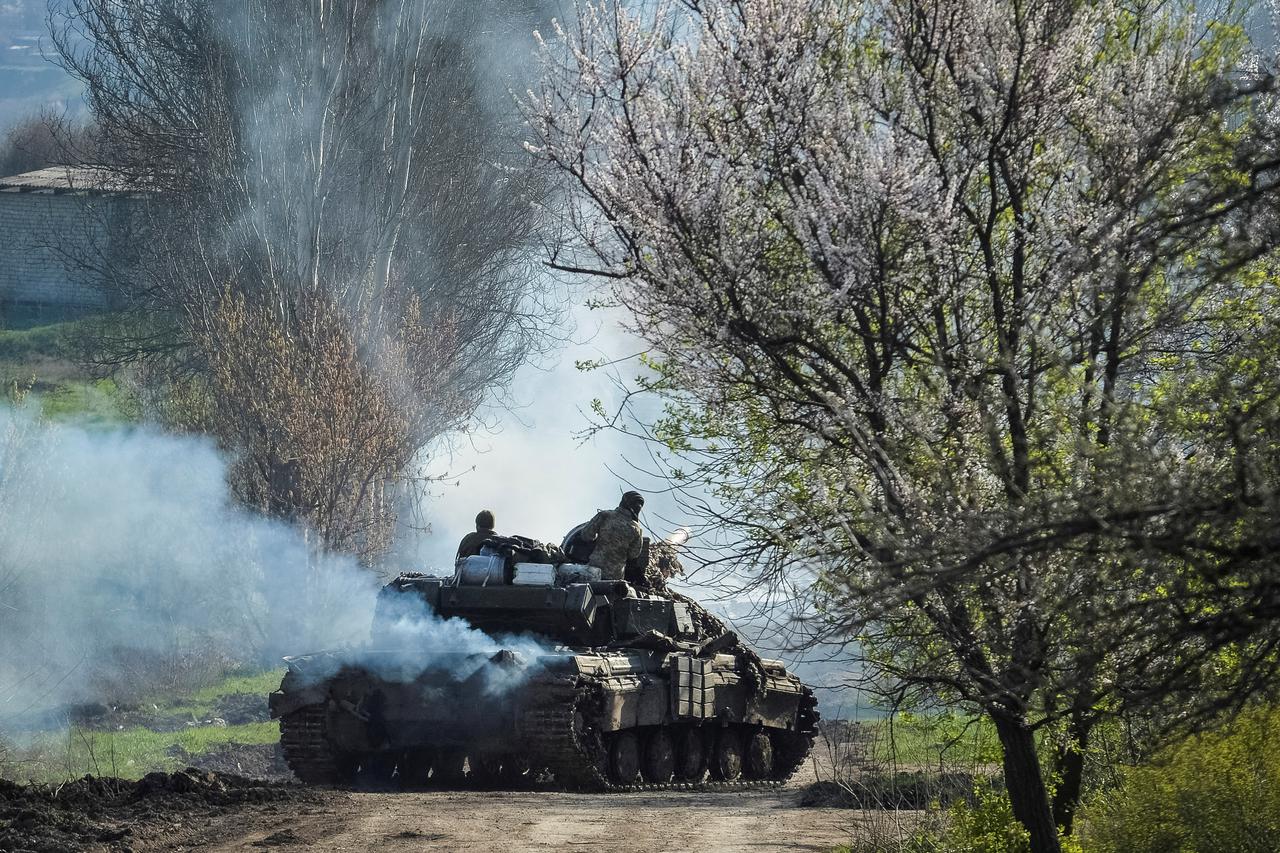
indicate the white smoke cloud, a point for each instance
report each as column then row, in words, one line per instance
column 536, row 471
column 125, row 565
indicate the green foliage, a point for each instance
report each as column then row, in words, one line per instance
column 986, row 827
column 1213, row 793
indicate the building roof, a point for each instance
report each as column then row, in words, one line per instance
column 73, row 180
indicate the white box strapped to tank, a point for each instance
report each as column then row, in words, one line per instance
column 534, row 574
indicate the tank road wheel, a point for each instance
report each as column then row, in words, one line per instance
column 691, row 760
column 726, row 756
column 659, row 757
column 447, row 769
column 486, row 770
column 758, row 762
column 515, row 772
column 415, row 768
column 624, row 759
column 789, row 751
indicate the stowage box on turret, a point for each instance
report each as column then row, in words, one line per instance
column 620, row 688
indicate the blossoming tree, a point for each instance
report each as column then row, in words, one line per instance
column 968, row 311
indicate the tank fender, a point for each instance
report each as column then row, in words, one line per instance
column 282, row 702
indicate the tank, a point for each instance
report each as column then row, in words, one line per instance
column 607, row 685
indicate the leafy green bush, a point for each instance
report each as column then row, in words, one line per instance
column 987, row 826
column 1215, row 793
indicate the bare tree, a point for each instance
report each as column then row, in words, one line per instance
column 965, row 313
column 334, row 267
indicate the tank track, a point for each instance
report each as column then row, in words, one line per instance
column 553, row 727
column 307, row 750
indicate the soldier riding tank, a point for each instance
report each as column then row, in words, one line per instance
column 627, row 688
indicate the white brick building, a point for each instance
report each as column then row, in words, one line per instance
column 56, row 232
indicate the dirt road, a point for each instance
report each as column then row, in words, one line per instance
column 707, row 822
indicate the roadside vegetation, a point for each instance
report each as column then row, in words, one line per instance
column 40, row 360
column 163, row 733
column 129, row 753
column 917, row 789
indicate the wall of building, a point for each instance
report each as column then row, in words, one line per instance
column 52, row 247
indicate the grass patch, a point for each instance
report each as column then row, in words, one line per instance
column 57, row 755
column 93, row 403
column 42, row 360
column 128, row 754
column 938, row 739
column 201, row 703
column 906, row 740
column 51, row 341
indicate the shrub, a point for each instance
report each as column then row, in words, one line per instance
column 986, row 826
column 1215, row 793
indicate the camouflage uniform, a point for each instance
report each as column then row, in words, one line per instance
column 617, row 537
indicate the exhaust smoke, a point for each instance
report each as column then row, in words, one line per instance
column 127, row 570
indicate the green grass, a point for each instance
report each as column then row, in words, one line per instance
column 128, row 754
column 39, row 341
column 92, row 403
column 41, row 360
column 201, row 703
column 134, row 752
column 928, row 740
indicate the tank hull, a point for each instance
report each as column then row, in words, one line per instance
column 584, row 719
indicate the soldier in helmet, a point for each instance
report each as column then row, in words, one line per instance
column 470, row 544
column 615, row 535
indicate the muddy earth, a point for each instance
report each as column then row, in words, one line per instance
column 115, row 814
column 208, row 811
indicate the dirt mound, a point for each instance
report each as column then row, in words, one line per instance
column 262, row 761
column 105, row 813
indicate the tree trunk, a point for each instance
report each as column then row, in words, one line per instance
column 1071, row 772
column 1027, row 792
